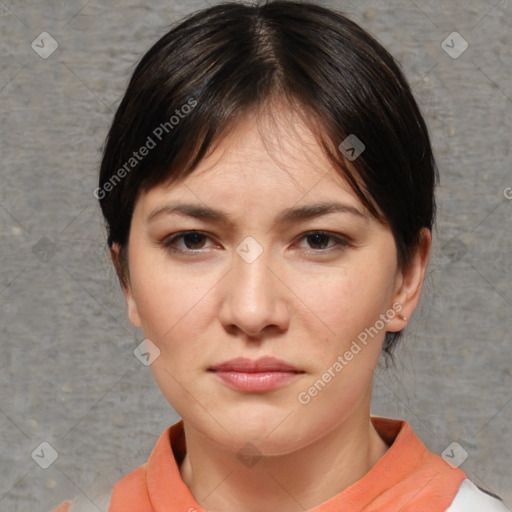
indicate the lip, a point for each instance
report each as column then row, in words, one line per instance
column 256, row 376
column 263, row 364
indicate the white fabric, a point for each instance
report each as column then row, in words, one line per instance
column 472, row 499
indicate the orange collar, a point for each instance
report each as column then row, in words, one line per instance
column 408, row 478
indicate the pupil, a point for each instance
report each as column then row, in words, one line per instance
column 317, row 239
column 192, row 239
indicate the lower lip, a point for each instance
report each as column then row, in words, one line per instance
column 256, row 382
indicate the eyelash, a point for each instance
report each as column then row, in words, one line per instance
column 168, row 242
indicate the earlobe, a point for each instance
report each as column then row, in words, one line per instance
column 410, row 283
column 131, row 305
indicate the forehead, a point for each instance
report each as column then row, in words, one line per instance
column 275, row 155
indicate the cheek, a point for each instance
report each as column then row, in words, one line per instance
column 174, row 306
column 343, row 302
column 175, row 310
column 344, row 349
column 343, row 313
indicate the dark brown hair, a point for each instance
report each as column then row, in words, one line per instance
column 219, row 64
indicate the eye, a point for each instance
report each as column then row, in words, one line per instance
column 319, row 241
column 192, row 241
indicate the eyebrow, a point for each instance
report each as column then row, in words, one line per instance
column 287, row 216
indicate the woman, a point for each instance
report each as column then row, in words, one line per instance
column 268, row 190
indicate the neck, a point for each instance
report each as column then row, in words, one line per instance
column 304, row 478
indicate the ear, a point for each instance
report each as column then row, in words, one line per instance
column 410, row 282
column 124, row 280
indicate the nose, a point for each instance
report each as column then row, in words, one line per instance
column 255, row 299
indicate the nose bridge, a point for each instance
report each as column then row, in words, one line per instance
column 251, row 297
column 251, row 276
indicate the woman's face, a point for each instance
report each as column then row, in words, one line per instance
column 286, row 263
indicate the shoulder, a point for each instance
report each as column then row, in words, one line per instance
column 130, row 494
column 471, row 498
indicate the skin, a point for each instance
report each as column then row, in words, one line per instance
column 303, row 300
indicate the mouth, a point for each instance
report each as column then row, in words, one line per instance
column 255, row 376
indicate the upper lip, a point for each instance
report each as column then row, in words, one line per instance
column 264, row 364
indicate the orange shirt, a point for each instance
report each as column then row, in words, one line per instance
column 407, row 478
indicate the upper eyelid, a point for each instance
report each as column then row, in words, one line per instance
column 181, row 234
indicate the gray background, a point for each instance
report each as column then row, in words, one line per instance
column 68, row 375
